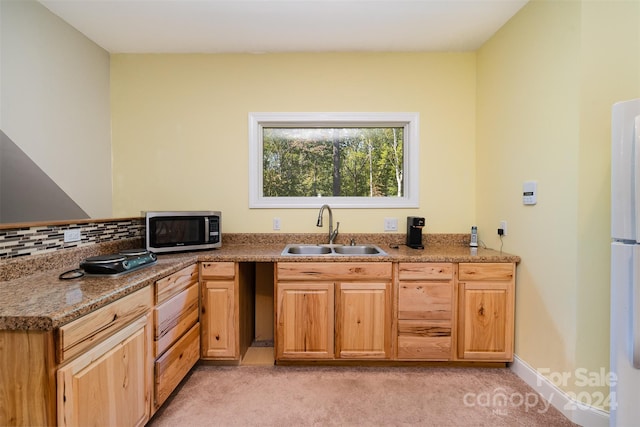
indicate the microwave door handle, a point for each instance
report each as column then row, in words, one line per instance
column 206, row 228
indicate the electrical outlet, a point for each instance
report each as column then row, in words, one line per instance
column 73, row 235
column 391, row 224
column 276, row 223
column 503, row 225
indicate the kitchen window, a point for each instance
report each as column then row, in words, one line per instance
column 348, row 160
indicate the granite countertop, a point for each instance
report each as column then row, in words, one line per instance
column 41, row 301
column 44, row 302
column 401, row 253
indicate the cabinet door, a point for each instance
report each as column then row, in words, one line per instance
column 486, row 321
column 109, row 385
column 305, row 320
column 363, row 320
column 218, row 322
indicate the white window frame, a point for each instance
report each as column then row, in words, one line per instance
column 411, row 147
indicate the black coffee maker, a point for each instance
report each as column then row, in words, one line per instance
column 414, row 232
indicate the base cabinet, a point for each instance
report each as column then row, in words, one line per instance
column 27, row 378
column 109, row 385
column 227, row 309
column 425, row 311
column 486, row 311
column 218, row 312
column 338, row 310
column 406, row 311
column 176, row 330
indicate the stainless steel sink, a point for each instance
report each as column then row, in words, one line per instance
column 358, row 250
column 306, row 250
column 332, row 250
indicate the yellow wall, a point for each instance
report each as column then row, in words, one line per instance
column 533, row 103
column 610, row 72
column 180, row 129
column 546, row 83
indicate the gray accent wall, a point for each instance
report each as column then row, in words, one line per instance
column 55, row 108
column 27, row 193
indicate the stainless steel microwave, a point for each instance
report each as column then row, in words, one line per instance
column 181, row 231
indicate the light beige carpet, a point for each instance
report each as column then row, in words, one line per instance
column 354, row 396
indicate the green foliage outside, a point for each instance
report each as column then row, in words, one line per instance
column 348, row 162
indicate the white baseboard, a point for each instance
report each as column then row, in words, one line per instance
column 583, row 415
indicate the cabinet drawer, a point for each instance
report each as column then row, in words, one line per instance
column 171, row 368
column 427, row 270
column 174, row 318
column 218, row 270
column 425, row 300
column 420, row 340
column 486, row 271
column 175, row 283
column 333, row 270
column 81, row 334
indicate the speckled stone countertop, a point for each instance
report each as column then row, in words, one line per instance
column 38, row 300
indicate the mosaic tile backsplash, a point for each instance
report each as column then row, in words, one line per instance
column 26, row 241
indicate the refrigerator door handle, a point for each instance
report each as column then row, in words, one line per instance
column 636, row 176
column 635, row 309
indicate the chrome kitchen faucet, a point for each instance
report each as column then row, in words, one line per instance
column 332, row 233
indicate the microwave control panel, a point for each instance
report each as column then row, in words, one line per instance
column 214, row 229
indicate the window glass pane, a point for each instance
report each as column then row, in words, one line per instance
column 332, row 161
column 350, row 160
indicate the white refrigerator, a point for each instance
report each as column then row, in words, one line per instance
column 625, row 264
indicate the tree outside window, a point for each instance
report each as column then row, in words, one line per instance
column 346, row 159
column 316, row 162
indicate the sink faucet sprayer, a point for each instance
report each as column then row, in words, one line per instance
column 332, row 233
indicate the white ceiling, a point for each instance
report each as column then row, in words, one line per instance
column 217, row 26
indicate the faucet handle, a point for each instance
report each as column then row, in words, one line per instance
column 353, row 242
column 333, row 235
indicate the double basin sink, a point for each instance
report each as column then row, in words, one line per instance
column 332, row 250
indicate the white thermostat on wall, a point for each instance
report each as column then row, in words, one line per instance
column 529, row 193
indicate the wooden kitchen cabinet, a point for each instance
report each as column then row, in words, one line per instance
column 227, row 309
column 305, row 318
column 486, row 315
column 109, row 382
column 425, row 311
column 176, row 330
column 27, row 378
column 333, row 310
column 363, row 320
